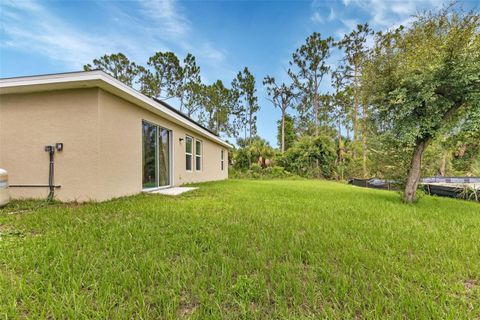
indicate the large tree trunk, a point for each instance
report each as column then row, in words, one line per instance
column 443, row 164
column 415, row 171
column 340, row 150
column 250, row 126
column 316, row 106
column 355, row 111
column 340, row 147
column 364, row 141
column 416, row 165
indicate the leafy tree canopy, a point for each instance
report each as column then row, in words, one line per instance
column 117, row 65
column 424, row 80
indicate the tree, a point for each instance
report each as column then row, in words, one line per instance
column 281, row 95
column 312, row 157
column 349, row 73
column 342, row 101
column 462, row 146
column 217, row 102
column 244, row 86
column 117, row 65
column 309, row 63
column 252, row 150
column 192, row 98
column 286, row 135
column 164, row 80
column 325, row 115
column 424, row 80
column 189, row 86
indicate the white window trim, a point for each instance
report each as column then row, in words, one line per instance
column 199, row 156
column 190, row 154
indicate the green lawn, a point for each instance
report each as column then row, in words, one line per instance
column 243, row 249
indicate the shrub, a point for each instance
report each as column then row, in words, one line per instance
column 312, row 157
column 257, row 172
column 252, row 151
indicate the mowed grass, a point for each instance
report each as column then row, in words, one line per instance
column 243, row 249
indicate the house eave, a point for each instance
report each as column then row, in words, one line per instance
column 97, row 78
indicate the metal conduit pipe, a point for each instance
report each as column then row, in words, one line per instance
column 51, row 172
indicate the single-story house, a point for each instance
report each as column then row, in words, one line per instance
column 87, row 136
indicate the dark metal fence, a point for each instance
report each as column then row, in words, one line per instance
column 428, row 184
column 451, row 180
column 465, row 193
column 375, row 183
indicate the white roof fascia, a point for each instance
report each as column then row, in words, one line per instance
column 103, row 80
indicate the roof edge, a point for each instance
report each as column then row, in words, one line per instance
column 99, row 75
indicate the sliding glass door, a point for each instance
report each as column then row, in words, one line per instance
column 156, row 155
column 150, row 177
column 164, row 157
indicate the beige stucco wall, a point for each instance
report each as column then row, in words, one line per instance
column 121, row 147
column 28, row 122
column 102, row 138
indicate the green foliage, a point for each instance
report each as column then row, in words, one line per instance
column 426, row 78
column 251, row 151
column 466, row 157
column 308, row 67
column 247, row 102
column 310, row 157
column 189, row 89
column 117, row 65
column 282, row 96
column 217, row 100
column 163, row 78
column 475, row 167
column 257, row 172
column 290, row 134
column 424, row 81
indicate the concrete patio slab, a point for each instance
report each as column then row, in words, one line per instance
column 175, row 191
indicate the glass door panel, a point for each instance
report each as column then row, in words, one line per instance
column 149, row 137
column 164, row 157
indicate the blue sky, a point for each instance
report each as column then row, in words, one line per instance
column 39, row 37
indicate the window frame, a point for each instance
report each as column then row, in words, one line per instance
column 153, row 126
column 189, row 153
column 222, row 160
column 170, row 163
column 200, row 156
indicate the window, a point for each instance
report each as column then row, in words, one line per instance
column 198, row 155
column 163, row 157
column 222, row 161
column 156, row 155
column 188, row 153
column 150, row 169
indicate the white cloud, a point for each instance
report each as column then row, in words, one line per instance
column 166, row 16
column 348, row 26
column 29, row 26
column 332, row 16
column 316, row 17
column 346, row 3
column 209, row 51
column 153, row 26
column 386, row 14
column 350, row 23
column 403, row 8
column 381, row 14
